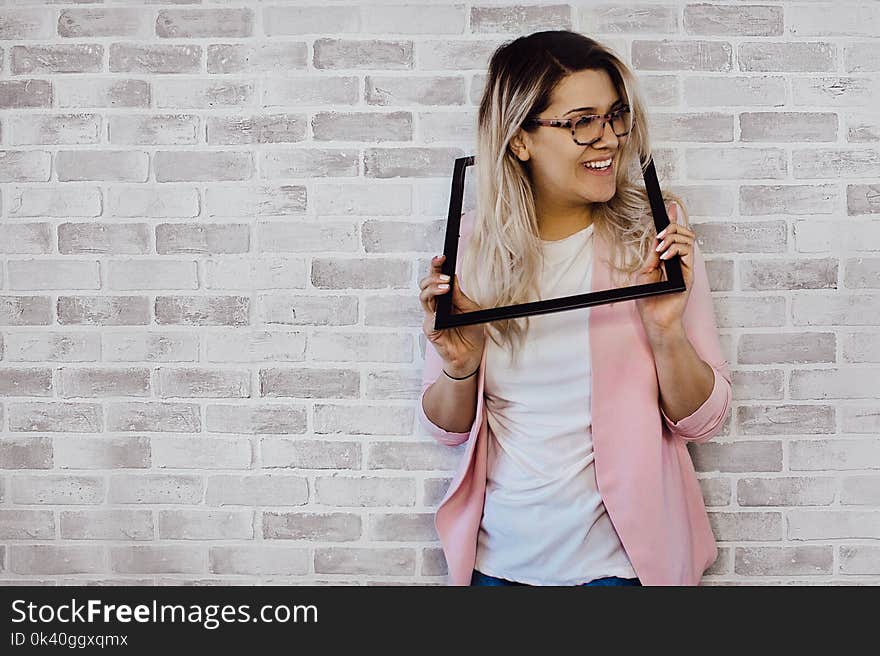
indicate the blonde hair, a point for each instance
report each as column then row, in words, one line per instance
column 503, row 258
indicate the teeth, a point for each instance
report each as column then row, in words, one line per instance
column 598, row 165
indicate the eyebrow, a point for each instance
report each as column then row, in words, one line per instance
column 619, row 101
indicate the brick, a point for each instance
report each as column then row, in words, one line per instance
column 48, row 274
column 194, row 166
column 115, row 166
column 153, row 416
column 55, row 417
column 310, row 383
column 671, row 55
column 22, row 524
column 259, row 129
column 57, row 489
column 262, row 200
column 308, row 310
column 755, row 20
column 25, row 238
column 287, row 21
column 102, row 381
column 784, row 561
column 135, row 275
column 279, row 452
column 103, row 92
column 106, row 525
column 516, row 18
column 204, row 382
column 153, row 201
column 203, row 23
column 25, row 93
column 118, row 239
column 60, row 346
column 67, row 58
column 786, row 491
column 20, row 381
column 155, row 59
column 152, row 346
column 203, row 310
column 158, row 559
column 258, row 58
column 787, row 57
column 414, row 90
column 150, row 488
column 256, row 346
column 234, row 273
column 55, row 559
column 364, row 491
column 102, row 452
column 400, row 561
column 362, row 53
column 256, row 490
column 104, row 21
column 199, row 94
column 174, row 238
column 26, row 453
column 201, row 453
column 205, row 525
column 264, row 418
column 161, row 129
column 260, row 560
column 104, row 310
column 620, row 19
column 334, row 526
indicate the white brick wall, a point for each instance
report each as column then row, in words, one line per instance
column 214, row 218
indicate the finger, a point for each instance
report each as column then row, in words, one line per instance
column 671, row 239
column 434, row 279
column 672, row 250
column 428, row 294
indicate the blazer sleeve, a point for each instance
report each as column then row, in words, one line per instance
column 699, row 324
column 434, row 363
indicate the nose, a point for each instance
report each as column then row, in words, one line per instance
column 601, row 137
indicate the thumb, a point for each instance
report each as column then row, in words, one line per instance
column 461, row 299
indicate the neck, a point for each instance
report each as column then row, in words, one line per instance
column 560, row 221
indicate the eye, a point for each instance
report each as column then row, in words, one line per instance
column 586, row 120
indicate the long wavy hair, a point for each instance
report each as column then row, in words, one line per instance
column 503, row 259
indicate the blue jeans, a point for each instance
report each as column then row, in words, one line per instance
column 478, row 578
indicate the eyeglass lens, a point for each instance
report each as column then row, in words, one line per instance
column 589, row 128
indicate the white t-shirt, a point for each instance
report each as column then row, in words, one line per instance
column 544, row 522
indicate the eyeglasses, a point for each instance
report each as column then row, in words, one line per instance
column 589, row 128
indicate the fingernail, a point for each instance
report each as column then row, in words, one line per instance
column 661, row 233
column 444, row 278
column 659, row 246
column 443, row 286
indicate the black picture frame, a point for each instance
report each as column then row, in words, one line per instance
column 446, row 319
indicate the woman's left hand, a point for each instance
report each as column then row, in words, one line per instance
column 662, row 313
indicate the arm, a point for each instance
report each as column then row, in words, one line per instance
column 694, row 378
column 452, row 403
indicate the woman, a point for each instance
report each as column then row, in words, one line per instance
column 576, row 470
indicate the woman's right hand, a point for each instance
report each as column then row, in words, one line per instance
column 461, row 347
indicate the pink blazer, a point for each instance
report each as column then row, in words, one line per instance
column 643, row 469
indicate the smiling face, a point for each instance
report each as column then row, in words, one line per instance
column 556, row 162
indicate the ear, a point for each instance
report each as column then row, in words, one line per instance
column 519, row 148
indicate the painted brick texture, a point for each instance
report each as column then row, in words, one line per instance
column 214, row 218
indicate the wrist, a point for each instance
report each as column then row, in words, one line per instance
column 460, row 374
column 669, row 336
